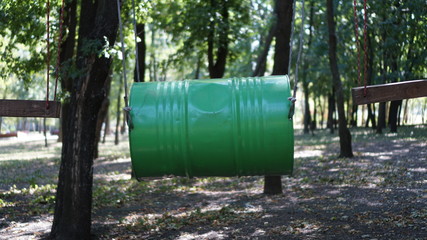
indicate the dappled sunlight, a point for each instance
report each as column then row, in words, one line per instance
column 351, row 194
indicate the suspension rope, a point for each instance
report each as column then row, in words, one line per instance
column 48, row 51
column 123, row 54
column 301, row 42
column 365, row 45
column 126, row 108
column 58, row 57
column 136, row 42
column 356, row 32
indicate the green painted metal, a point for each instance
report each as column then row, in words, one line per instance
column 216, row 127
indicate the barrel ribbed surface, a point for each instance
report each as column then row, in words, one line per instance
column 218, row 127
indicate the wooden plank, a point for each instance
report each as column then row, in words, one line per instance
column 29, row 108
column 390, row 92
column 8, row 135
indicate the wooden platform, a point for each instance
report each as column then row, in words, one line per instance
column 29, row 108
column 390, row 92
column 8, row 135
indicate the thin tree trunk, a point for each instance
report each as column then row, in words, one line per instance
column 393, row 115
column 142, row 48
column 371, row 117
column 305, row 83
column 107, row 127
column 72, row 218
column 217, row 67
column 322, row 113
column 344, row 133
column 261, row 62
column 331, row 110
column 405, row 113
column 103, row 112
column 284, row 11
column 119, row 113
column 198, row 64
column 153, row 55
column 381, row 118
column 44, row 132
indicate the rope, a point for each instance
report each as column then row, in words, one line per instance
column 127, row 108
column 48, row 52
column 301, row 42
column 356, row 31
column 136, row 42
column 365, row 45
column 58, row 57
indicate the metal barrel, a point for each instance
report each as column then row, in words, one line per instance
column 216, row 127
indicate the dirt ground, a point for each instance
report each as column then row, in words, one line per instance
column 381, row 193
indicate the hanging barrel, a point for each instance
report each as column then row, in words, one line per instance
column 217, row 127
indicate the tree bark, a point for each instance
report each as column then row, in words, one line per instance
column 66, row 56
column 118, row 113
column 72, row 218
column 393, row 115
column 103, row 112
column 44, row 132
column 331, row 110
column 371, row 117
column 344, row 133
column 142, row 49
column 217, row 67
column 261, row 62
column 106, row 128
column 284, row 10
column 305, row 83
column 381, row 118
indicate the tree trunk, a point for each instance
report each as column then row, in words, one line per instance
column 331, row 110
column 107, row 127
column 67, row 54
column 344, row 133
column 353, row 115
column 103, row 112
column 381, row 118
column 284, row 10
column 153, row 60
column 72, row 218
column 405, row 113
column 393, row 115
column 118, row 113
column 217, row 68
column 261, row 62
column 307, row 115
column 371, row 117
column 198, row 64
column 322, row 112
column 142, row 48
column 44, row 132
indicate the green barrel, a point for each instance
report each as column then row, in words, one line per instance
column 216, row 127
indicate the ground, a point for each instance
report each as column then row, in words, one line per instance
column 381, row 193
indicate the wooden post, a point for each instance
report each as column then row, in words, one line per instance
column 390, row 92
column 29, row 108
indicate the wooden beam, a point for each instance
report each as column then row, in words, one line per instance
column 29, row 108
column 390, row 92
